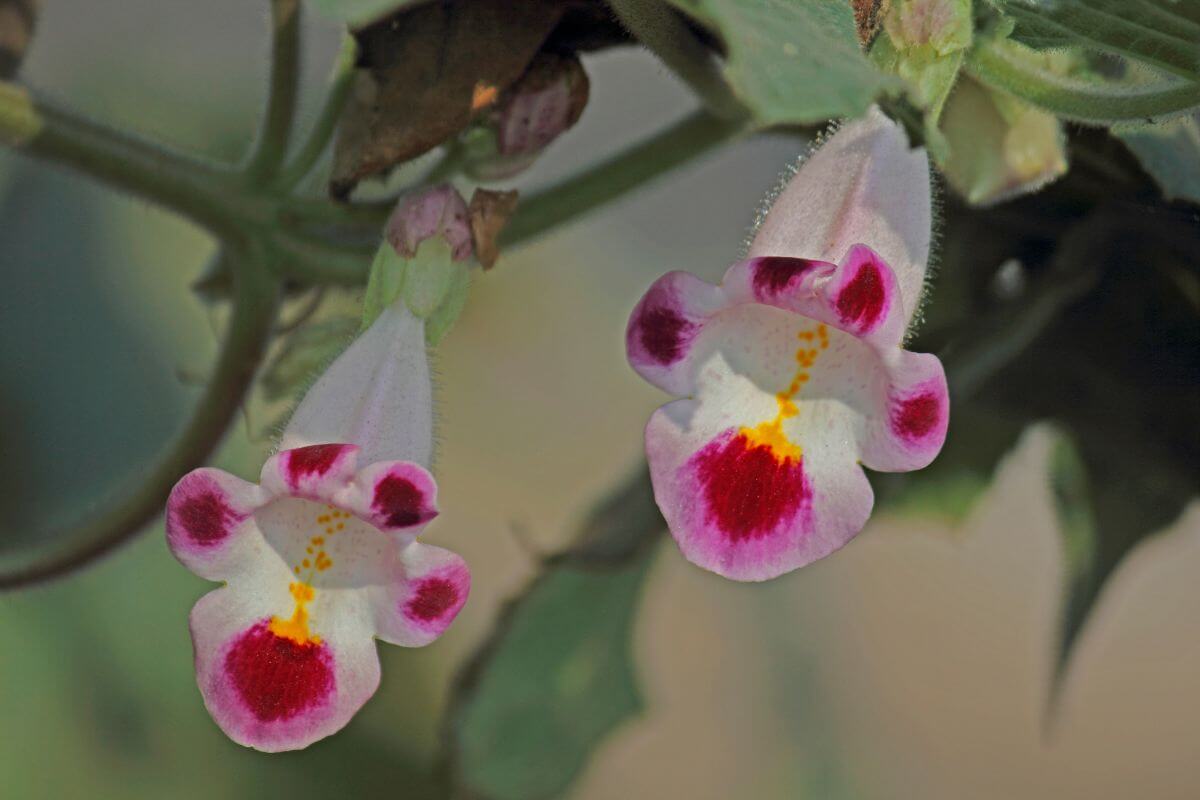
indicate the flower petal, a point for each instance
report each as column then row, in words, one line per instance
column 269, row 691
column 316, row 471
column 393, row 496
column 862, row 185
column 210, row 522
column 377, row 395
column 420, row 605
column 739, row 508
column 912, row 431
column 797, row 376
column 860, row 295
column 663, row 326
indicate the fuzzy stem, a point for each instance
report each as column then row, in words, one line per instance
column 683, row 142
column 340, row 84
column 271, row 148
column 256, row 297
column 196, row 189
column 660, row 28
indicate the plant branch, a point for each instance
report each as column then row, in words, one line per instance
column 661, row 29
column 1089, row 102
column 610, row 179
column 196, row 189
column 256, row 296
column 271, row 147
column 349, row 235
column 340, row 84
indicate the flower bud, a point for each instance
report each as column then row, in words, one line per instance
column 547, row 100
column 437, row 211
column 422, row 263
column 1000, row 147
column 943, row 25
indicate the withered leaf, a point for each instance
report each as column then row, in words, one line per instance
column 868, row 16
column 489, row 212
column 17, row 18
column 424, row 72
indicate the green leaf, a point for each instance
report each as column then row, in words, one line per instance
column 555, row 677
column 307, row 351
column 384, row 282
column 1170, row 153
column 792, row 61
column 1117, row 370
column 429, row 276
column 1161, row 33
column 356, row 13
column 1073, row 504
column 439, row 323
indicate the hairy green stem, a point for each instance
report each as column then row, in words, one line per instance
column 660, row 28
column 196, row 189
column 340, row 84
column 256, row 297
column 1089, row 102
column 356, row 228
column 271, row 148
column 610, row 179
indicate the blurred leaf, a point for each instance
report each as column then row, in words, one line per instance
column 999, row 146
column 555, row 676
column 1120, row 371
column 306, row 352
column 791, row 61
column 425, row 72
column 1161, row 33
column 356, row 13
column 1077, row 526
column 1113, row 361
column 17, row 20
column 1170, row 152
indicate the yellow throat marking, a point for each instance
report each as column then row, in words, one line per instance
column 771, row 433
column 301, row 590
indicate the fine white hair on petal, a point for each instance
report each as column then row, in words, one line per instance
column 377, row 394
column 861, row 185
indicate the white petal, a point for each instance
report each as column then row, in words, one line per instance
column 862, row 186
column 377, row 395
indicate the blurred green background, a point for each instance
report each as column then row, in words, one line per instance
column 914, row 664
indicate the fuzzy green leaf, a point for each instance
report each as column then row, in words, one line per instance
column 556, row 676
column 1161, row 33
column 791, row 61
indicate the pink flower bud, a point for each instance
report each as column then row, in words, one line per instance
column 436, row 211
column 543, row 104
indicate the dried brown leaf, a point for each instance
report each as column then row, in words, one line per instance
column 424, row 73
column 489, row 212
column 868, row 15
column 17, row 19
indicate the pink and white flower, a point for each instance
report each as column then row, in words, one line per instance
column 791, row 372
column 320, row 557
